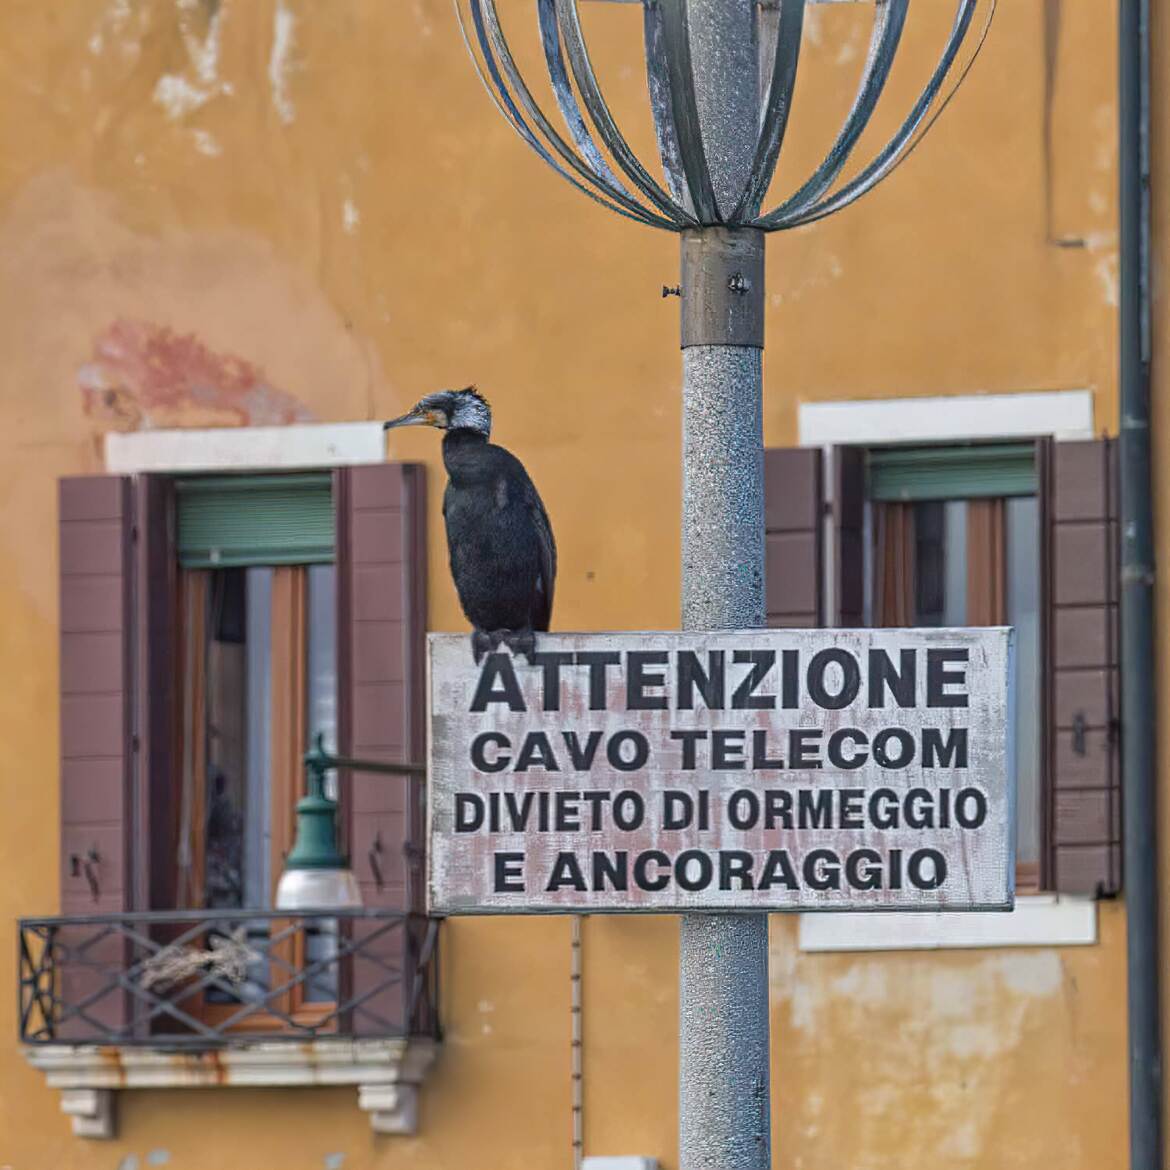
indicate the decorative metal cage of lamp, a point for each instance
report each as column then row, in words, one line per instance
column 696, row 193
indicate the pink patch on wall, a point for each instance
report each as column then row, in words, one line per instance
column 144, row 376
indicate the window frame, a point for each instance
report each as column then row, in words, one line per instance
column 983, row 477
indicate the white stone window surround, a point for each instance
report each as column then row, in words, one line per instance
column 1038, row 919
column 387, row 1073
column 244, row 449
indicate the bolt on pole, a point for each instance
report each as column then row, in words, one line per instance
column 724, row 1106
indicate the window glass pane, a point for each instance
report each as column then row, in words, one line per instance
column 258, row 833
column 322, row 664
column 940, row 563
column 238, row 706
column 227, row 741
column 321, row 935
column 955, row 604
column 1023, row 610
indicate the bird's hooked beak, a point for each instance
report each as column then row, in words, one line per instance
column 418, row 416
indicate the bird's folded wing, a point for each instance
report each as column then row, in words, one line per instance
column 548, row 556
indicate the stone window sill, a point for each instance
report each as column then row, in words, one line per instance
column 1039, row 920
column 387, row 1074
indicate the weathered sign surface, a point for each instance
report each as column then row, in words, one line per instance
column 749, row 770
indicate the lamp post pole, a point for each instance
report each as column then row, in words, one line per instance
column 724, row 1110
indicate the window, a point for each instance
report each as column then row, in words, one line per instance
column 209, row 625
column 953, row 539
column 1021, row 533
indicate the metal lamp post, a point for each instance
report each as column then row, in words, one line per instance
column 316, row 873
column 720, row 76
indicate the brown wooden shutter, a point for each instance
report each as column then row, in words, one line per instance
column 96, row 621
column 849, row 536
column 792, row 521
column 1084, row 806
column 96, row 568
column 381, row 567
column 154, row 814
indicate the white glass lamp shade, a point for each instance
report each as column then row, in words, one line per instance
column 318, row 889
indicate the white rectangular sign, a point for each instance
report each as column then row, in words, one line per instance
column 729, row 770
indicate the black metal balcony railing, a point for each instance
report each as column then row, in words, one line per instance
column 207, row 978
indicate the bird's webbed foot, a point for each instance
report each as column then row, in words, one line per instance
column 521, row 642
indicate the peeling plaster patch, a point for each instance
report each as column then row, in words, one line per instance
column 350, row 217
column 850, row 47
column 158, row 1157
column 129, row 1162
column 202, row 51
column 113, row 30
column 484, row 1007
column 1107, row 266
column 420, row 15
column 178, row 97
column 812, row 27
column 334, row 1161
column 956, row 1023
column 1107, row 273
column 1105, row 130
column 179, row 94
column 1098, row 204
column 206, row 143
column 279, row 67
column 824, row 270
column 144, row 376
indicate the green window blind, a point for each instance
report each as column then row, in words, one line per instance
column 255, row 520
column 952, row 473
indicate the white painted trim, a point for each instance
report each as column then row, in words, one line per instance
column 1064, row 414
column 246, row 448
column 387, row 1074
column 624, row 1162
column 1039, row 920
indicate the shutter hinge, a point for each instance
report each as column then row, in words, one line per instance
column 135, row 743
column 134, row 533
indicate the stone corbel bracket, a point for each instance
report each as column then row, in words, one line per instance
column 387, row 1074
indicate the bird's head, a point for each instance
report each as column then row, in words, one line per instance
column 449, row 410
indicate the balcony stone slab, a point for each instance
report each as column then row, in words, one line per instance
column 387, row 1074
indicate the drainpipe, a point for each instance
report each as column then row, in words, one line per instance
column 1138, row 710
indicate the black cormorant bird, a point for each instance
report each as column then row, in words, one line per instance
column 503, row 556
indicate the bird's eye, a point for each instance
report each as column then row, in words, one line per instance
column 108, row 397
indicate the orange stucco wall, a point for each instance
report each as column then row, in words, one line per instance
column 220, row 211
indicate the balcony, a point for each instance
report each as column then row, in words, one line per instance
column 230, row 997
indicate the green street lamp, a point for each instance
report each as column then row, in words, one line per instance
column 316, row 873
